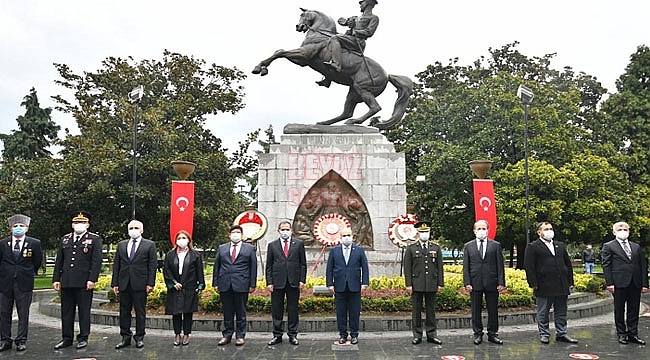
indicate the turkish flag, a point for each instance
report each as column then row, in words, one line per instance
column 485, row 207
column 181, row 211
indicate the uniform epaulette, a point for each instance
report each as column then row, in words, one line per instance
column 67, row 236
column 92, row 233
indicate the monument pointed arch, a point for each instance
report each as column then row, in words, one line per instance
column 333, row 194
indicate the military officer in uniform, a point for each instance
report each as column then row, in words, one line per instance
column 424, row 277
column 77, row 267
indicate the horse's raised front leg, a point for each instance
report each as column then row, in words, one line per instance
column 296, row 56
column 351, row 101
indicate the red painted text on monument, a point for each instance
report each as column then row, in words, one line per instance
column 313, row 166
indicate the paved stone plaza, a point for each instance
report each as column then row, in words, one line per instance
column 596, row 335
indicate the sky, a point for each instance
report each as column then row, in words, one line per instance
column 596, row 37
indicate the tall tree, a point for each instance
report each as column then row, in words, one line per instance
column 179, row 93
column 462, row 113
column 36, row 132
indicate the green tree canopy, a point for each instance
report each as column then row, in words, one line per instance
column 36, row 132
column 179, row 94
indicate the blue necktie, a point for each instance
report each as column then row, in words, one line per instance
column 132, row 255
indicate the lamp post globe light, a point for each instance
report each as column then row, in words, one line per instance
column 134, row 97
column 526, row 95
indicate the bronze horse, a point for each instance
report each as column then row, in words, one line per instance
column 364, row 76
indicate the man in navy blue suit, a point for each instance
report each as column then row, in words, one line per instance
column 234, row 277
column 20, row 258
column 347, row 276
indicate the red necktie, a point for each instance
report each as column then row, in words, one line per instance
column 286, row 248
column 233, row 256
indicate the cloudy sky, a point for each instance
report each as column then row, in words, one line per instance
column 596, row 37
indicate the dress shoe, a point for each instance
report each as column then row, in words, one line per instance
column 21, row 347
column 123, row 344
column 434, row 340
column 354, row 340
column 623, row 340
column 240, row 342
column 177, row 340
column 293, row 340
column 495, row 340
column 223, row 341
column 343, row 340
column 635, row 339
column 186, row 340
column 416, row 341
column 274, row 341
column 478, row 339
column 62, row 344
column 566, row 339
column 81, row 344
column 543, row 339
column 139, row 344
column 5, row 346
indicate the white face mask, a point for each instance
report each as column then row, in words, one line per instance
column 285, row 234
column 135, row 233
column 182, row 243
column 346, row 240
column 622, row 234
column 424, row 236
column 481, row 234
column 80, row 228
column 548, row 234
column 235, row 237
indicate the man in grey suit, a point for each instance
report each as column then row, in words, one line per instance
column 286, row 273
column 346, row 276
column 20, row 258
column 484, row 274
column 234, row 277
column 134, row 276
column 626, row 275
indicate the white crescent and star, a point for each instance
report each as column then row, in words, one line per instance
column 180, row 200
column 487, row 200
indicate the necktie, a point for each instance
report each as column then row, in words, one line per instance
column 17, row 248
column 286, row 248
column 627, row 249
column 480, row 248
column 233, row 256
column 76, row 239
column 346, row 253
column 132, row 255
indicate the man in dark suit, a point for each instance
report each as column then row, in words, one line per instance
column 234, row 277
column 77, row 267
column 346, row 276
column 20, row 258
column 286, row 273
column 424, row 278
column 134, row 276
column 484, row 274
column 550, row 273
column 626, row 274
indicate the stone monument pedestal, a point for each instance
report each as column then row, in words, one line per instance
column 360, row 160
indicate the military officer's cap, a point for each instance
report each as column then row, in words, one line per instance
column 19, row 219
column 422, row 226
column 80, row 218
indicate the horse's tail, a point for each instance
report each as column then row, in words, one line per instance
column 404, row 87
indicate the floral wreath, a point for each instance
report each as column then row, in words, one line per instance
column 402, row 230
column 327, row 228
column 253, row 224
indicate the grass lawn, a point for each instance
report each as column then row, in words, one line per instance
column 43, row 283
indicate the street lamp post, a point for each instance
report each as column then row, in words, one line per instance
column 526, row 95
column 134, row 97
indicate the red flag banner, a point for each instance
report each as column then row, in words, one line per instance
column 181, row 214
column 484, row 205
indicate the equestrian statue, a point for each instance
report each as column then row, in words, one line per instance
column 340, row 59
